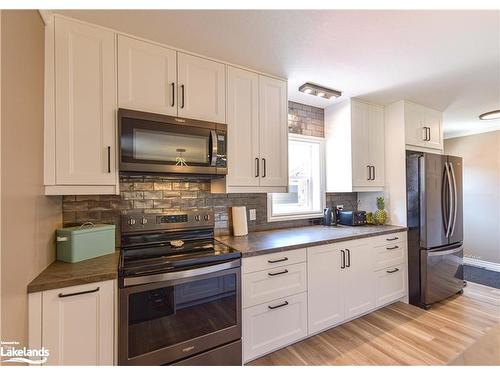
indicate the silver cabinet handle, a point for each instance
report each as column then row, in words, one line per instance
column 369, row 172
column 62, row 295
column 277, row 306
column 392, row 271
column 392, row 239
column 264, row 171
column 373, row 174
column 348, row 258
column 257, row 164
column 429, row 136
column 277, row 273
column 392, row 248
column 172, row 102
column 342, row 259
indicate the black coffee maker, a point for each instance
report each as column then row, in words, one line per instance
column 330, row 216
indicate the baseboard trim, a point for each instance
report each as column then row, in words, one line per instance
column 482, row 263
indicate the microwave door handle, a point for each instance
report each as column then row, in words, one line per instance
column 454, row 199
column 213, row 155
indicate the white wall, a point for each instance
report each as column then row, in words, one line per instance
column 481, row 189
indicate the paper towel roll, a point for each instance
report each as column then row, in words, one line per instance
column 240, row 227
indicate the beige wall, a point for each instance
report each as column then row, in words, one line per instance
column 28, row 217
column 481, row 160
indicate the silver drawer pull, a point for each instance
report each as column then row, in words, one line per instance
column 392, row 271
column 277, row 273
column 277, row 306
column 62, row 295
column 392, row 248
column 392, row 239
column 284, row 259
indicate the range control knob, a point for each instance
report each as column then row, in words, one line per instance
column 131, row 221
column 206, row 217
column 197, row 217
column 144, row 221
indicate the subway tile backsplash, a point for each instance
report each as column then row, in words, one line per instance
column 152, row 194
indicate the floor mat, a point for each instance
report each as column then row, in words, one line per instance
column 482, row 276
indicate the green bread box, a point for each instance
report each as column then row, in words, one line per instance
column 86, row 241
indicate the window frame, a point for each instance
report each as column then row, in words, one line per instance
column 322, row 185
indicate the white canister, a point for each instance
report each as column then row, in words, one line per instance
column 240, row 226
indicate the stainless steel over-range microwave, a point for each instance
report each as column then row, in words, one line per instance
column 155, row 143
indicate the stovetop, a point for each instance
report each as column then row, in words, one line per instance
column 154, row 244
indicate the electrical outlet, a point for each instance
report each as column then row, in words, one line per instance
column 253, row 214
column 340, row 206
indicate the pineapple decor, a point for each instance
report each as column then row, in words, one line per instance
column 380, row 215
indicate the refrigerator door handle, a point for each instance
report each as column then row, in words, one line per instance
column 455, row 200
column 445, row 252
column 452, row 205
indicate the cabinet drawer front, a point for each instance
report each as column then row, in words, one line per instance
column 274, row 283
column 391, row 284
column 279, row 259
column 390, row 255
column 392, row 239
column 273, row 325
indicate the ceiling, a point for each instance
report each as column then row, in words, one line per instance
column 447, row 60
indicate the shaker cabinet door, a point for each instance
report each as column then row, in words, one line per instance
column 325, row 296
column 78, row 324
column 273, row 105
column 243, row 127
column 147, row 77
column 85, row 104
column 201, row 88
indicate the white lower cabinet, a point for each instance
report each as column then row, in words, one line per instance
column 76, row 324
column 273, row 324
column 262, row 286
column 325, row 287
column 390, row 284
column 290, row 295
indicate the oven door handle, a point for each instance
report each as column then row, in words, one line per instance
column 140, row 280
column 213, row 156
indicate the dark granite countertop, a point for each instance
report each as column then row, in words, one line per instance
column 258, row 243
column 61, row 274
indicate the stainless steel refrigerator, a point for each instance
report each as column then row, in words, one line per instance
column 435, row 227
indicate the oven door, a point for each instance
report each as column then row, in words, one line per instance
column 165, row 144
column 189, row 313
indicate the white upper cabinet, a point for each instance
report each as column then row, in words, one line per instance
column 147, row 77
column 201, row 88
column 243, row 127
column 273, row 132
column 257, row 133
column 355, row 144
column 423, row 126
column 85, row 105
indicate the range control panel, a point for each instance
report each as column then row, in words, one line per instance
column 176, row 220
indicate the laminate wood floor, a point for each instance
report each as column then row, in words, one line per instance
column 400, row 334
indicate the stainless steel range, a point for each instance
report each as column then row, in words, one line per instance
column 179, row 292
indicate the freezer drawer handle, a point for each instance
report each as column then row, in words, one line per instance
column 392, row 271
column 277, row 306
column 277, row 273
column 392, row 248
column 392, row 239
column 284, row 259
column 62, row 295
